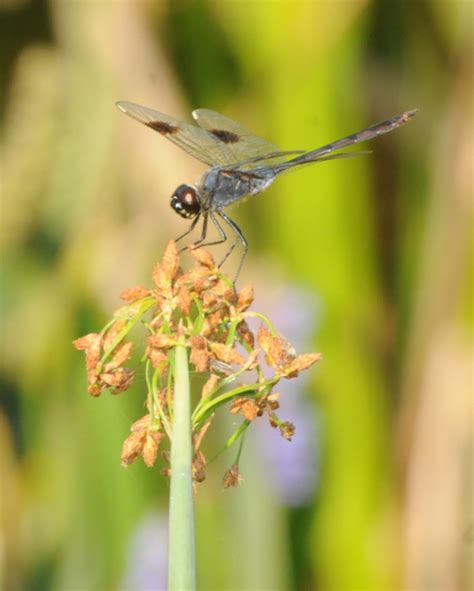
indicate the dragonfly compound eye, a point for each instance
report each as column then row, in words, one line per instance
column 185, row 201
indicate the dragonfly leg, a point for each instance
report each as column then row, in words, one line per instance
column 203, row 234
column 219, row 228
column 190, row 229
column 239, row 236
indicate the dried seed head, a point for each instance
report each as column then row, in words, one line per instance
column 184, row 300
column 227, row 354
column 198, row 279
column 161, row 341
column 198, row 467
column 170, row 262
column 245, row 334
column 287, row 430
column 111, row 335
column 135, row 293
column 203, row 310
column 119, row 379
column 132, row 447
column 122, row 353
column 94, row 390
column 141, row 424
column 232, row 477
column 85, row 342
column 246, row 406
column 199, row 353
column 150, row 447
column 203, row 257
column 210, row 300
column 157, row 357
column 245, row 298
column 302, row 362
column 92, row 345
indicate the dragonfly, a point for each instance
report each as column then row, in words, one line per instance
column 241, row 164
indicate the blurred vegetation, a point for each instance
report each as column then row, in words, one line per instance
column 381, row 244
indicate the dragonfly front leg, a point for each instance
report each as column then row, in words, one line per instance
column 203, row 233
column 190, row 229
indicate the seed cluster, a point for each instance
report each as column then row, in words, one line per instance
column 201, row 309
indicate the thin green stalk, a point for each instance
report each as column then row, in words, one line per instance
column 181, row 557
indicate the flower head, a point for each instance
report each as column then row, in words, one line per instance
column 201, row 309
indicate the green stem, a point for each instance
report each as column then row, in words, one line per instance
column 181, row 560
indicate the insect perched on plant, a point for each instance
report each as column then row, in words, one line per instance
column 241, row 163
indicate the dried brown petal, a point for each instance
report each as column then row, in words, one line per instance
column 272, row 401
column 150, row 448
column 279, row 353
column 132, row 448
column 203, row 257
column 227, row 293
column 287, row 430
column 199, row 353
column 249, row 410
column 112, row 334
column 245, row 298
column 246, row 406
column 92, row 344
column 162, row 281
column 95, row 389
column 198, row 278
column 141, row 424
column 226, row 354
column 304, row 361
column 121, row 354
column 87, row 341
column 209, row 300
column 232, row 477
column 198, row 467
column 252, row 360
column 184, row 300
column 161, row 341
column 170, row 262
column 119, row 379
column 157, row 357
column 236, row 405
column 245, row 334
column 135, row 293
column 210, row 385
column 128, row 312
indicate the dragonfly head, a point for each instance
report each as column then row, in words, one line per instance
column 185, row 201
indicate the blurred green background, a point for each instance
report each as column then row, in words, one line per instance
column 366, row 260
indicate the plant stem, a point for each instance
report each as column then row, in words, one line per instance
column 181, row 557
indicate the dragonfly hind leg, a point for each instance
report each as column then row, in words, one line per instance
column 223, row 235
column 239, row 237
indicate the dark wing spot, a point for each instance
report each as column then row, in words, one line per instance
column 163, row 127
column 226, row 136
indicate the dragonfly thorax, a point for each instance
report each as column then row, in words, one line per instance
column 185, row 201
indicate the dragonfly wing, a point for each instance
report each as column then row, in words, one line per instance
column 196, row 141
column 243, row 144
